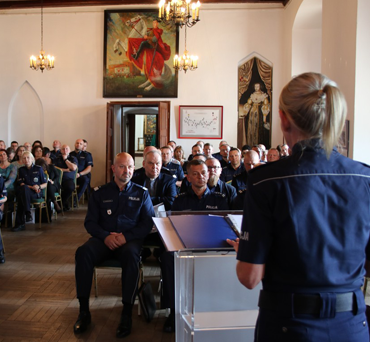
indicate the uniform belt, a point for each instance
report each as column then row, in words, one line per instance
column 297, row 303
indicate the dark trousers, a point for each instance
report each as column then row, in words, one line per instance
column 68, row 185
column 51, row 190
column 275, row 326
column 83, row 182
column 168, row 277
column 1, row 239
column 24, row 198
column 94, row 251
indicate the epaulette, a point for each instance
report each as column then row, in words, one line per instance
column 96, row 188
column 181, row 194
column 174, row 176
column 219, row 194
column 140, row 186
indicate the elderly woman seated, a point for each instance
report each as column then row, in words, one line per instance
column 31, row 180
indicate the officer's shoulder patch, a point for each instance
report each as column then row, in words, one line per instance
column 140, row 186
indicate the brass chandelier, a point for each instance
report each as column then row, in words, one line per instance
column 42, row 62
column 185, row 62
column 179, row 12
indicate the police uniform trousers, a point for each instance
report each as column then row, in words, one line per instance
column 326, row 326
column 94, row 251
column 168, row 277
column 83, row 182
column 68, row 185
column 24, row 198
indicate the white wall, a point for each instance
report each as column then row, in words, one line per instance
column 71, row 94
column 361, row 124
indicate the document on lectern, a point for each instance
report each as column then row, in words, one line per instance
column 204, row 231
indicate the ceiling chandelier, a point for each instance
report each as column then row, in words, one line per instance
column 185, row 62
column 42, row 62
column 179, row 12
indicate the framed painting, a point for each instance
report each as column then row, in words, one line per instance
column 200, row 122
column 150, row 124
column 255, row 99
column 138, row 55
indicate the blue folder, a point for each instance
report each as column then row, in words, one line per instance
column 203, row 231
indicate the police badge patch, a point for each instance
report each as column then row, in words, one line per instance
column 109, row 212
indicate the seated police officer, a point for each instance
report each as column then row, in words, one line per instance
column 162, row 187
column 215, row 184
column 197, row 197
column 31, row 180
column 234, row 167
column 119, row 217
column 85, row 163
column 68, row 164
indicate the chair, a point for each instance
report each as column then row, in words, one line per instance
column 74, row 192
column 58, row 195
column 42, row 203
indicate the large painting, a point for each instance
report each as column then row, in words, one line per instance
column 254, row 107
column 138, row 55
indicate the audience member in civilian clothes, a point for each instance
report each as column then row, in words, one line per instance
column 2, row 145
column 68, row 164
column 9, row 173
column 179, row 155
column 37, row 152
column 53, row 182
column 3, row 199
column 31, row 180
column 18, row 156
column 14, row 145
column 11, row 154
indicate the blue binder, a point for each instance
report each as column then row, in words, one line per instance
column 203, row 231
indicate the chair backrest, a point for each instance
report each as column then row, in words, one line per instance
column 60, row 175
column 44, row 192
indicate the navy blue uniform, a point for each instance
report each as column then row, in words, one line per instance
column 228, row 172
column 239, row 181
column 218, row 156
column 141, row 171
column 176, row 170
column 129, row 212
column 54, row 155
column 68, row 181
column 227, row 190
column 307, row 218
column 165, row 188
column 33, row 176
column 84, row 159
column 3, row 193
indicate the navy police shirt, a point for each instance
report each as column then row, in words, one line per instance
column 307, row 219
column 84, row 159
column 59, row 162
column 129, row 211
column 209, row 201
column 32, row 176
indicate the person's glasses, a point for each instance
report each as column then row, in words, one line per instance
column 214, row 167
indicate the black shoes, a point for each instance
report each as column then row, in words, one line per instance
column 82, row 323
column 2, row 257
column 19, row 228
column 124, row 327
column 169, row 325
column 28, row 217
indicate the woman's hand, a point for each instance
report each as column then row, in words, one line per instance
column 233, row 243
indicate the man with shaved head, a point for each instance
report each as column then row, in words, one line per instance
column 85, row 163
column 68, row 164
column 119, row 217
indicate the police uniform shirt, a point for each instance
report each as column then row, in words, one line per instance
column 84, row 159
column 59, row 162
column 175, row 169
column 209, row 201
column 217, row 156
column 239, row 181
column 228, row 172
column 307, row 218
column 129, row 211
column 54, row 155
column 226, row 189
column 32, row 176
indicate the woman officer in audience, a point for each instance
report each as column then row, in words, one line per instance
column 306, row 225
column 31, row 180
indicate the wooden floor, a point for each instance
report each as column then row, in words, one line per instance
column 37, row 288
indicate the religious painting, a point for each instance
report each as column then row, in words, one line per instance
column 150, row 124
column 255, row 99
column 138, row 55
